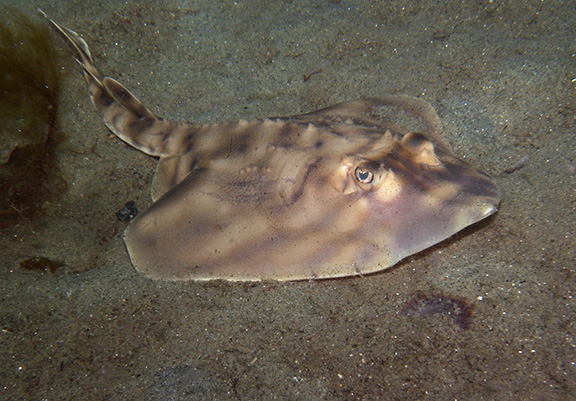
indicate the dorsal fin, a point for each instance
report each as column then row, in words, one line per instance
column 392, row 112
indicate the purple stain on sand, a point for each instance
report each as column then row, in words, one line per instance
column 423, row 304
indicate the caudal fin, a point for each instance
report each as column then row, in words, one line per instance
column 121, row 111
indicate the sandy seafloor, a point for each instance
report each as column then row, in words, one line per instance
column 502, row 77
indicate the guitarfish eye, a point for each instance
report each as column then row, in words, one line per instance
column 363, row 176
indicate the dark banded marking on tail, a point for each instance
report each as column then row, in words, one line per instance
column 122, row 112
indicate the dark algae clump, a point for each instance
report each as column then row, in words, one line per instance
column 41, row 264
column 29, row 87
column 128, row 212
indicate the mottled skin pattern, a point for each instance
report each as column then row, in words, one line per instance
column 347, row 190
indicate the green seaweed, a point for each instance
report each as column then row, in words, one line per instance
column 30, row 80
